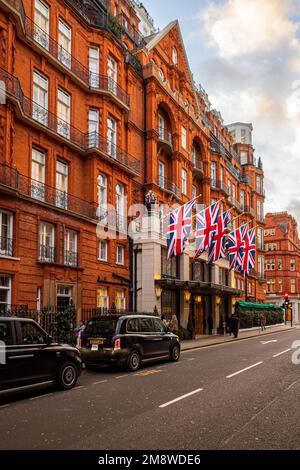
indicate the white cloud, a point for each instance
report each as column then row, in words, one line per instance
column 241, row 27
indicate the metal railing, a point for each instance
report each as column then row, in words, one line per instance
column 245, row 180
column 26, row 186
column 164, row 135
column 88, row 313
column 47, row 254
column 13, row 310
column 249, row 210
column 95, row 140
column 92, row 80
column 234, row 171
column 70, row 258
column 88, row 11
column 168, row 185
column 111, row 218
column 53, row 123
column 6, row 246
column 198, row 165
column 136, row 37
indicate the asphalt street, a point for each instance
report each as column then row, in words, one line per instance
column 239, row 395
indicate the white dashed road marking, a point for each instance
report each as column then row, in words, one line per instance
column 243, row 370
column 181, row 398
column 282, row 352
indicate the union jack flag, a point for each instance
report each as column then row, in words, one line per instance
column 179, row 228
column 236, row 243
column 217, row 248
column 206, row 224
column 248, row 251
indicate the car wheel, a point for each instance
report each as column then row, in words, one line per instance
column 67, row 376
column 175, row 353
column 133, row 361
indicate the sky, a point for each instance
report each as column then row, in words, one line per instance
column 246, row 54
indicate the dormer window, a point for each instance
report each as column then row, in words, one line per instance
column 175, row 56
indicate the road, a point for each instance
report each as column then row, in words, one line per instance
column 239, row 395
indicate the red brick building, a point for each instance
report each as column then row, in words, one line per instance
column 282, row 265
column 95, row 116
column 72, row 119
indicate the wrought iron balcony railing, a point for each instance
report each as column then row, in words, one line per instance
column 94, row 17
column 134, row 62
column 234, row 171
column 219, row 186
column 93, row 80
column 249, row 210
column 198, row 165
column 97, row 141
column 168, row 185
column 164, row 135
column 47, row 254
column 6, row 246
column 11, row 178
column 136, row 37
column 108, row 216
column 245, row 180
column 52, row 123
column 18, row 6
column 70, row 258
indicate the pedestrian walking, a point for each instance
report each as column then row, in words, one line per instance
column 174, row 324
column 165, row 321
column 210, row 324
column 235, row 323
column 262, row 322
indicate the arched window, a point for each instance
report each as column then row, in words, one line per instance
column 161, row 74
column 175, row 56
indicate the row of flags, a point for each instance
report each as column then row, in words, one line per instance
column 211, row 235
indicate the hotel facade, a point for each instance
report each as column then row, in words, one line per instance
column 99, row 108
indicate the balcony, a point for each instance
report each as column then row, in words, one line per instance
column 249, row 210
column 47, row 254
column 168, row 186
column 62, row 57
column 237, row 205
column 234, row 171
column 135, row 36
column 109, row 217
column 70, row 258
column 49, row 122
column 112, row 152
column 219, row 186
column 261, row 220
column 6, row 246
column 92, row 81
column 165, row 139
column 13, row 181
column 16, row 6
column 245, row 180
column 198, row 167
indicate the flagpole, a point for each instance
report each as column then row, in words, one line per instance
column 237, row 217
column 246, row 286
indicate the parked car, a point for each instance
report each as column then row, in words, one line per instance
column 29, row 358
column 128, row 340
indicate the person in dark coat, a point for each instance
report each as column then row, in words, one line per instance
column 210, row 324
column 234, row 324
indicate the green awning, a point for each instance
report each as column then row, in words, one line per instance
column 257, row 306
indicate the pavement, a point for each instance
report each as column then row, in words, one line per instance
column 207, row 340
column 233, row 395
